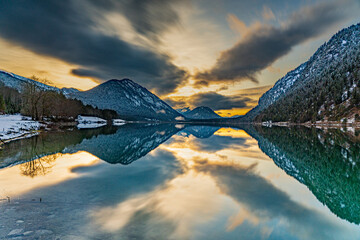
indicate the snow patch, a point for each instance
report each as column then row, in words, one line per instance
column 15, row 126
column 180, row 118
column 90, row 122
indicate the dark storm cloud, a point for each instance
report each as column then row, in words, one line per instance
column 67, row 30
column 82, row 72
column 213, row 100
column 262, row 45
column 150, row 17
column 217, row 101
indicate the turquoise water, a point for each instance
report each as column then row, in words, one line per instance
column 181, row 182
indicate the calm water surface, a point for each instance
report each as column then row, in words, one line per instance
column 182, row 182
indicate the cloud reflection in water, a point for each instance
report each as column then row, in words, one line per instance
column 215, row 187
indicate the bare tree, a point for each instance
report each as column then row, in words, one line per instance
column 35, row 98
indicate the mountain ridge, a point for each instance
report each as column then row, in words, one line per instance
column 325, row 87
column 16, row 82
column 202, row 112
column 129, row 99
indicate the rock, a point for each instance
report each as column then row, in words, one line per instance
column 74, row 237
column 28, row 233
column 44, row 232
column 15, row 232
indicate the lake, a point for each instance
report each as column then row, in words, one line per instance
column 146, row 181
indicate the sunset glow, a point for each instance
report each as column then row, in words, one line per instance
column 189, row 46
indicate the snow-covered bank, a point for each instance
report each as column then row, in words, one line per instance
column 90, row 122
column 17, row 126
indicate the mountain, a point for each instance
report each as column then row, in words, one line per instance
column 183, row 110
column 130, row 100
column 68, row 91
column 201, row 113
column 326, row 87
column 279, row 90
column 17, row 82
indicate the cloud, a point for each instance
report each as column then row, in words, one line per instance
column 268, row 14
column 150, row 18
column 255, row 92
column 67, row 30
column 244, row 98
column 213, row 100
column 217, row 101
column 262, row 44
column 236, row 24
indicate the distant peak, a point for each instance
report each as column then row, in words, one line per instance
column 119, row 82
column 126, row 80
column 203, row 108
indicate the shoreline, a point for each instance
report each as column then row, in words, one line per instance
column 54, row 126
column 330, row 124
column 24, row 135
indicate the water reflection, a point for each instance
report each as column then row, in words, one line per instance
column 192, row 182
column 40, row 166
column 200, row 131
column 114, row 145
column 46, row 171
column 128, row 143
column 327, row 162
column 262, row 203
column 45, row 144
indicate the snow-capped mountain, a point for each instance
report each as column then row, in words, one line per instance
column 201, row 113
column 130, row 100
column 318, row 88
column 183, row 110
column 68, row 91
column 280, row 88
column 17, row 82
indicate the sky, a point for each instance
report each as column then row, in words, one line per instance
column 221, row 54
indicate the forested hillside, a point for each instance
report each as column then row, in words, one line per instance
column 324, row 88
column 39, row 103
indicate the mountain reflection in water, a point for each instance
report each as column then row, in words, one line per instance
column 327, row 162
column 183, row 182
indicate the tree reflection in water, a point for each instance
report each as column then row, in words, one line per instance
column 40, row 166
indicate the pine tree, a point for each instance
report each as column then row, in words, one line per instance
column 2, row 104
